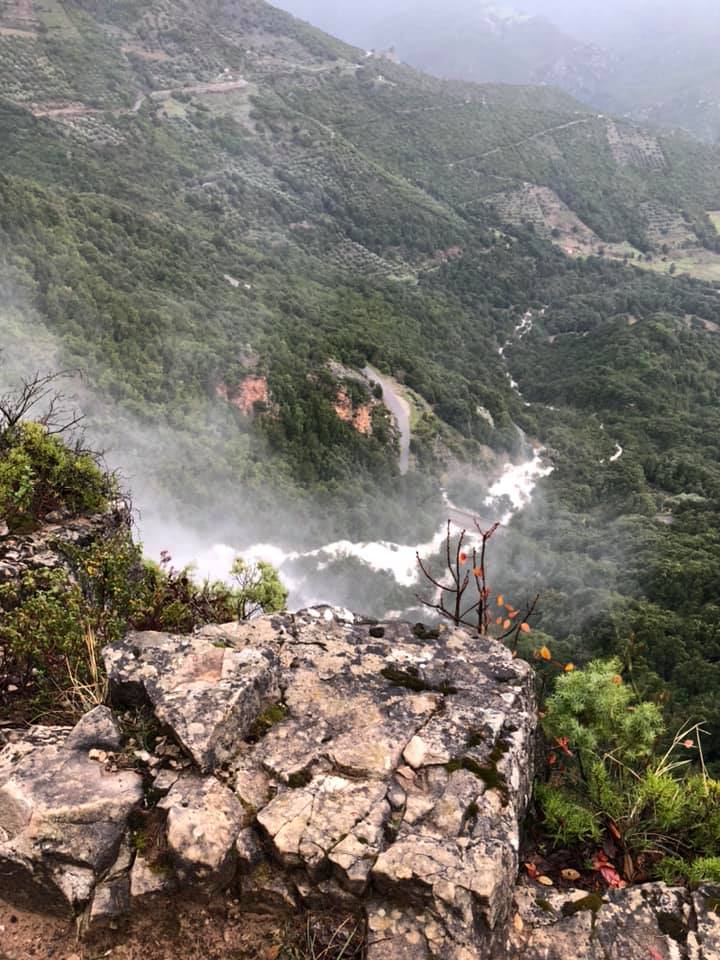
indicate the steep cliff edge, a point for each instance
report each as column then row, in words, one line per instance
column 305, row 763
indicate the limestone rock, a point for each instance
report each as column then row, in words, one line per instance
column 636, row 923
column 98, row 730
column 209, row 695
column 249, row 850
column 265, row 890
column 204, row 819
column 111, row 899
column 62, row 815
column 400, row 769
column 332, row 820
column 147, row 880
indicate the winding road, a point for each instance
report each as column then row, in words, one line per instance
column 399, row 408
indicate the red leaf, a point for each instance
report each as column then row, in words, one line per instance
column 611, row 877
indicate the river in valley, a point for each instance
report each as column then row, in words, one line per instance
column 307, row 574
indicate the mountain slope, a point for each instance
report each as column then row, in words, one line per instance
column 225, row 216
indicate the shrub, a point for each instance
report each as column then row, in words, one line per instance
column 610, row 780
column 40, row 473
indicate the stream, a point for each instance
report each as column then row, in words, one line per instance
column 510, row 492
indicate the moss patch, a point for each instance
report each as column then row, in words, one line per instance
column 593, row 902
column 411, row 680
column 266, row 721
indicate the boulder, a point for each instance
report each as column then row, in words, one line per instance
column 62, row 814
column 208, row 694
column 378, row 770
column 381, row 765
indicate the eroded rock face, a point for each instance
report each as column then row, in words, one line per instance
column 204, row 819
column 62, row 814
column 373, row 766
column 377, row 769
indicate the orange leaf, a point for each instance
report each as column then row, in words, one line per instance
column 545, row 881
column 569, row 667
column 507, row 624
column 617, row 680
column 552, row 759
column 478, row 572
column 614, row 831
column 570, row 874
column 498, row 621
column 500, row 600
column 543, row 652
column 513, row 613
column 532, row 870
column 688, row 744
column 463, row 558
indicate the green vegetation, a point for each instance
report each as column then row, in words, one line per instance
column 39, row 474
column 609, row 780
column 54, row 619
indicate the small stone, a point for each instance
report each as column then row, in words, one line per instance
column 415, row 752
column 164, row 780
column 97, row 729
column 99, row 755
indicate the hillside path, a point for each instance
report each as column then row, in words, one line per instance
column 512, row 146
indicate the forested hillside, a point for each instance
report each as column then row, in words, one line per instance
column 221, row 216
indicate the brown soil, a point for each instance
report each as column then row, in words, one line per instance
column 251, row 391
column 360, row 418
column 171, row 931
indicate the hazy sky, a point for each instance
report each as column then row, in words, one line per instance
column 613, row 22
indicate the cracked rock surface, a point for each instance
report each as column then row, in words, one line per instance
column 62, row 815
column 364, row 764
column 207, row 692
column 649, row 922
column 379, row 770
column 45, row 548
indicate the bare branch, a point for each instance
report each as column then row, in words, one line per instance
column 462, row 576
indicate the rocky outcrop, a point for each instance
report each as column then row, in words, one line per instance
column 366, row 765
column 62, row 814
column 208, row 693
column 319, row 761
column 47, row 547
column 650, row 922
